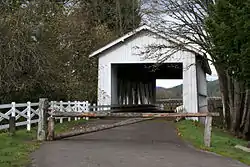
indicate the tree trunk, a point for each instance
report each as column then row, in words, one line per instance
column 231, row 102
column 246, row 131
column 245, row 111
column 238, row 101
column 245, row 116
column 224, row 95
column 118, row 8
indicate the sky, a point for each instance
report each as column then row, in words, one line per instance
column 169, row 83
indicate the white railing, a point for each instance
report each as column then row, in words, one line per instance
column 26, row 114
column 76, row 106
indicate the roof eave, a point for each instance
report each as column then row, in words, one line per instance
column 119, row 40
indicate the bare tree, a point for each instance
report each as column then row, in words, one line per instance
column 184, row 21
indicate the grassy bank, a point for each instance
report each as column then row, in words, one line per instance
column 15, row 151
column 222, row 142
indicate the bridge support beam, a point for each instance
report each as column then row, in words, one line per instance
column 134, row 92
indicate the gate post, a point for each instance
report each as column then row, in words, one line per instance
column 12, row 119
column 42, row 121
column 51, row 128
column 208, row 131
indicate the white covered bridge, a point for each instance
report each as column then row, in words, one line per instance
column 123, row 76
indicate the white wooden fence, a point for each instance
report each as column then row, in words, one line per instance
column 27, row 113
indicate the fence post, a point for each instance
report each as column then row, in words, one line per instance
column 87, row 109
column 94, row 107
column 42, row 121
column 69, row 107
column 79, row 108
column 53, row 107
column 207, row 131
column 29, row 116
column 75, row 109
column 61, row 109
column 51, row 129
column 12, row 119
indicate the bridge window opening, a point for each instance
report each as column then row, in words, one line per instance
column 137, row 83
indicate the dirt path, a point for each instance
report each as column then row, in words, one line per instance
column 146, row 144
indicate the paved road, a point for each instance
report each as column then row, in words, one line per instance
column 146, row 144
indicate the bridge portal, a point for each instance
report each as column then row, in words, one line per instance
column 125, row 75
column 135, row 83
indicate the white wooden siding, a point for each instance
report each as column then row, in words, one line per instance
column 202, row 89
column 127, row 53
column 114, row 85
column 190, row 99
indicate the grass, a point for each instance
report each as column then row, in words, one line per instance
column 15, row 150
column 66, row 126
column 222, row 142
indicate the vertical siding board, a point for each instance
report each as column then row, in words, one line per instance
column 202, row 90
column 190, row 98
column 114, row 85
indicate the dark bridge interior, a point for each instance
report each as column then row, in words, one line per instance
column 136, row 83
column 141, row 72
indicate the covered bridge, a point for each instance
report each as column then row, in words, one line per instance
column 123, row 76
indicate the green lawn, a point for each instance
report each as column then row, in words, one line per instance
column 222, row 142
column 15, row 151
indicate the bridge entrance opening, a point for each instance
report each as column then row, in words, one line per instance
column 135, row 83
column 169, row 94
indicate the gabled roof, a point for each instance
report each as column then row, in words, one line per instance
column 139, row 29
column 121, row 39
column 132, row 33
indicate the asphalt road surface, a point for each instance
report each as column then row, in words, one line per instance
column 146, row 144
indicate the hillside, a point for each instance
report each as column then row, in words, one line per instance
column 176, row 92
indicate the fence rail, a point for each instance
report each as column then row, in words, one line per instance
column 26, row 114
column 51, row 132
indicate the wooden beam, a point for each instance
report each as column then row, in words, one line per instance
column 150, row 92
column 42, row 121
column 146, row 93
column 12, row 125
column 130, row 93
column 154, row 91
column 208, row 131
column 118, row 92
column 51, row 129
column 122, row 106
column 121, row 92
column 136, row 86
column 131, row 114
column 98, row 128
column 126, row 92
column 141, row 93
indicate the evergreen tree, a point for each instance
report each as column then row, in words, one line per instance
column 44, row 46
column 229, row 25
